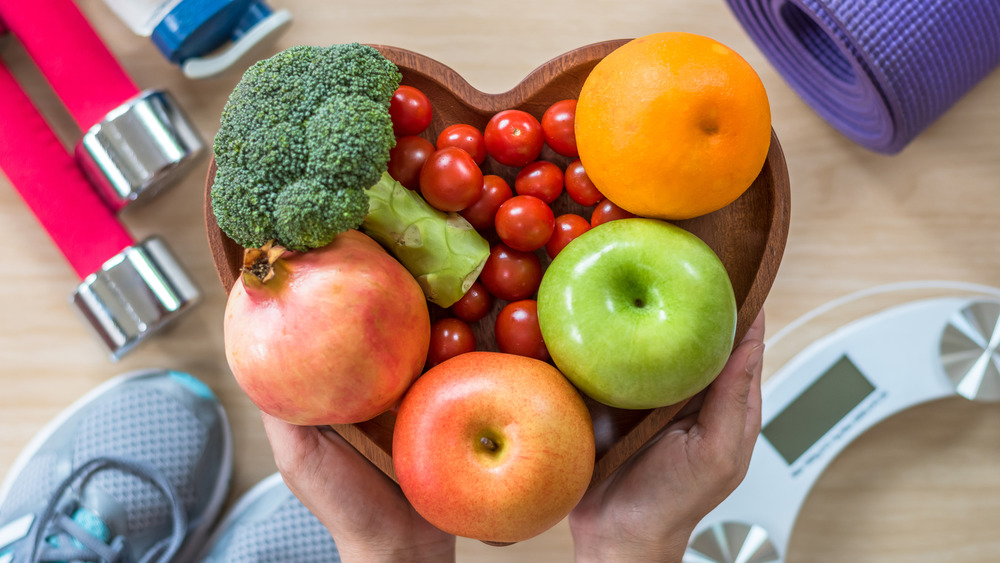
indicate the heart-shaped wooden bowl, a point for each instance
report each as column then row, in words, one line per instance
column 748, row 235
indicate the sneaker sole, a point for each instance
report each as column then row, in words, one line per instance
column 195, row 538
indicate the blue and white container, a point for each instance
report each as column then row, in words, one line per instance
column 204, row 37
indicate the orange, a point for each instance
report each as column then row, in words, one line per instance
column 673, row 125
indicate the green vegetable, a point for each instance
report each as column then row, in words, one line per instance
column 301, row 137
column 442, row 250
column 302, row 152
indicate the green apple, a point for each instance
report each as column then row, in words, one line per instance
column 638, row 313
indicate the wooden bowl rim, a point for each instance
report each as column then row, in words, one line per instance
column 413, row 63
column 437, row 71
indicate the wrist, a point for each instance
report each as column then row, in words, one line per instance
column 366, row 553
column 667, row 549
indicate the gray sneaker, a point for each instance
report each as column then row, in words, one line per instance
column 269, row 525
column 136, row 470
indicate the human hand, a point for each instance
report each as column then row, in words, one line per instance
column 647, row 509
column 366, row 513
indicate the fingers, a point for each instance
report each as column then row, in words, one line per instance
column 753, row 419
column 305, row 452
column 692, row 406
column 756, row 330
column 298, row 455
column 731, row 400
column 333, row 480
column 364, row 510
column 689, row 415
column 290, row 444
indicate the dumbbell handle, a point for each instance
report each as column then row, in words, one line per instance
column 48, row 179
column 128, row 290
column 135, row 142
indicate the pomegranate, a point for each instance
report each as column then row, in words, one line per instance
column 333, row 335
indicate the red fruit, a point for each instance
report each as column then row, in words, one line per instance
column 449, row 338
column 606, row 211
column 517, row 330
column 451, row 180
column 481, row 214
column 337, row 335
column 568, row 227
column 407, row 158
column 514, row 137
column 542, row 179
column 474, row 305
column 525, row 222
column 558, row 125
column 511, row 274
column 579, row 187
column 493, row 446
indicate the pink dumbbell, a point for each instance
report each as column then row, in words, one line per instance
column 135, row 142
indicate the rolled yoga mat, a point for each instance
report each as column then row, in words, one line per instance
column 879, row 71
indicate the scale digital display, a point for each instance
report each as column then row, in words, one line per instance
column 817, row 409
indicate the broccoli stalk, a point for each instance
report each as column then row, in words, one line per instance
column 442, row 250
column 303, row 145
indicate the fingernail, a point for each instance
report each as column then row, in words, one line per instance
column 754, row 359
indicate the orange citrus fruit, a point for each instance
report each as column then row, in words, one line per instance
column 673, row 125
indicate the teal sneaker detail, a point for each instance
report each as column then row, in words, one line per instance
column 136, row 470
column 196, row 385
column 268, row 524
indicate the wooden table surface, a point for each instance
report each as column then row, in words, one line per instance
column 922, row 486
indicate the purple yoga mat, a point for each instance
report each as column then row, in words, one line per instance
column 879, row 71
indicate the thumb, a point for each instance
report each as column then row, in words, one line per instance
column 728, row 399
column 297, row 449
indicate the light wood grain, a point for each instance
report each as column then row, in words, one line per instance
column 921, row 487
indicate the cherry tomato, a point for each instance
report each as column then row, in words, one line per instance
column 568, row 227
column 579, row 186
column 542, row 179
column 449, row 338
column 465, row 137
column 407, row 158
column 607, row 211
column 525, row 223
column 513, row 137
column 517, row 332
column 410, row 110
column 481, row 214
column 511, row 274
column 558, row 124
column 450, row 180
column 474, row 305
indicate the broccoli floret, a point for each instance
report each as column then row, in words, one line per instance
column 302, row 136
column 302, row 152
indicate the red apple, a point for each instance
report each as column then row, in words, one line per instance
column 337, row 335
column 493, row 446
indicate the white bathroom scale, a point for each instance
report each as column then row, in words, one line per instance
column 832, row 392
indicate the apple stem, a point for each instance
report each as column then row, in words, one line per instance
column 488, row 444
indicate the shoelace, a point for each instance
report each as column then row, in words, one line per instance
column 56, row 521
